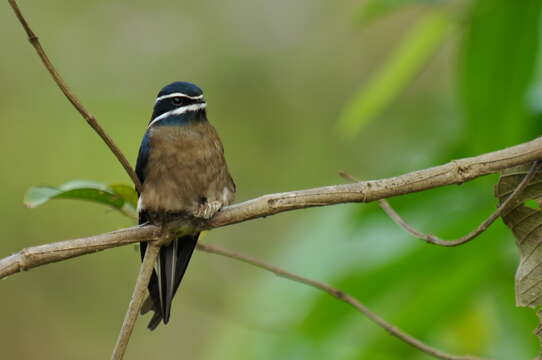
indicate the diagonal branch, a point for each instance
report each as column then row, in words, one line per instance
column 136, row 301
column 454, row 172
column 91, row 120
column 433, row 239
column 341, row 296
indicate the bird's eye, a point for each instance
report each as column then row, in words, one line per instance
column 177, row 100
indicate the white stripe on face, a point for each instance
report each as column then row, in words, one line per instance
column 179, row 111
column 178, row 94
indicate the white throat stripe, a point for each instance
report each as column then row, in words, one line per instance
column 179, row 111
column 178, row 94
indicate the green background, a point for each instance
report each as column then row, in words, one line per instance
column 297, row 90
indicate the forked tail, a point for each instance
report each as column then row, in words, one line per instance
column 170, row 267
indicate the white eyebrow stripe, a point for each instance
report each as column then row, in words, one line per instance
column 178, row 94
column 178, row 111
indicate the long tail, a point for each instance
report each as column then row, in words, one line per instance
column 170, row 267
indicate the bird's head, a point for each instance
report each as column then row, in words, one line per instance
column 178, row 98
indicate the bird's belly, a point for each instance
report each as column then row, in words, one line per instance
column 185, row 170
column 167, row 192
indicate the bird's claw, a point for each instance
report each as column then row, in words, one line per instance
column 208, row 210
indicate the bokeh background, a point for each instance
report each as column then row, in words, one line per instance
column 298, row 90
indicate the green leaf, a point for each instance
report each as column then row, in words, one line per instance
column 119, row 197
column 407, row 60
column 126, row 192
column 498, row 63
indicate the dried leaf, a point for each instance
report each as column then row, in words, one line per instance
column 524, row 218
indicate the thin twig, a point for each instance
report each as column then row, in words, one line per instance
column 136, row 301
column 340, row 295
column 433, row 239
column 91, row 120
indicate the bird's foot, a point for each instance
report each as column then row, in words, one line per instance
column 208, row 210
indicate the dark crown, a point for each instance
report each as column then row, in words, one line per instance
column 182, row 87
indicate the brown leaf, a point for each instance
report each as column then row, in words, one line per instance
column 524, row 218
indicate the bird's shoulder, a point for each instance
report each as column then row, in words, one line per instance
column 143, row 157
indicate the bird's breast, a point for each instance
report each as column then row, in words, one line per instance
column 186, row 167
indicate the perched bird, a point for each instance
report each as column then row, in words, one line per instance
column 182, row 170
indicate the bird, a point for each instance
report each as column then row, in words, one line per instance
column 183, row 171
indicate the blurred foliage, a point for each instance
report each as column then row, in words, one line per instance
column 409, row 58
column 497, row 68
column 463, row 78
column 375, row 9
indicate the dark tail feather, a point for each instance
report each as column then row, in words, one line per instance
column 171, row 265
column 155, row 321
column 148, row 305
column 174, row 259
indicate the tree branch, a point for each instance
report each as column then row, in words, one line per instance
column 433, row 239
column 136, row 301
column 62, row 250
column 91, row 120
column 454, row 172
column 341, row 296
